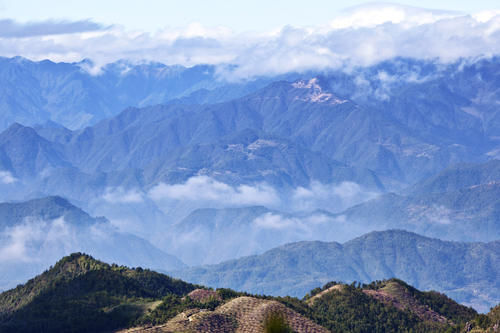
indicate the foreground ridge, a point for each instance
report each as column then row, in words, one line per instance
column 82, row 294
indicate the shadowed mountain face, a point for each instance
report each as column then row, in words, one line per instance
column 35, row 232
column 465, row 271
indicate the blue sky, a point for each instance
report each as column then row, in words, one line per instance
column 238, row 15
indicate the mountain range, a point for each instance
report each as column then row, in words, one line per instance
column 81, row 294
column 74, row 96
column 460, row 203
column 403, row 120
column 277, row 183
column 202, row 236
column 467, row 272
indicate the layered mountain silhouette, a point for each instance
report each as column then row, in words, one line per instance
column 210, row 171
column 459, row 203
column 69, row 94
column 34, row 232
column 465, row 271
column 210, row 236
column 407, row 121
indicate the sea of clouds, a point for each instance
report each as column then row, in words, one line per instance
column 360, row 36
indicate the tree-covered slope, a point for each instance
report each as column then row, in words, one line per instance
column 468, row 272
column 81, row 294
column 385, row 306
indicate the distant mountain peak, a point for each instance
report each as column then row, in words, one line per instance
column 16, row 126
column 20, row 130
column 316, row 92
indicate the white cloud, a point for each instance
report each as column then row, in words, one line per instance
column 204, row 191
column 362, row 36
column 372, row 15
column 274, row 221
column 119, row 195
column 334, row 197
column 307, row 224
column 485, row 16
column 204, row 188
column 7, row 178
column 25, row 242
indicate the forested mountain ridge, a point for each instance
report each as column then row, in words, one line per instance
column 81, row 294
column 465, row 271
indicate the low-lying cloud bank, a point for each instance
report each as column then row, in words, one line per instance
column 205, row 191
column 27, row 241
column 333, row 196
column 304, row 224
column 361, row 36
column 6, row 177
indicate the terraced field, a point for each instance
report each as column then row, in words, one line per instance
column 240, row 315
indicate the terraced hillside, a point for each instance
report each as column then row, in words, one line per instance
column 243, row 314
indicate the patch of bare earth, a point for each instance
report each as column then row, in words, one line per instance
column 251, row 312
column 405, row 301
column 203, row 295
column 313, row 299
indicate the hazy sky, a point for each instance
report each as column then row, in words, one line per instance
column 238, row 15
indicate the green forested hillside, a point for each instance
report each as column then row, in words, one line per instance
column 81, row 294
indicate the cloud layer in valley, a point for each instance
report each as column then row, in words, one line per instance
column 204, row 191
column 335, row 197
column 360, row 36
column 27, row 241
column 7, row 178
